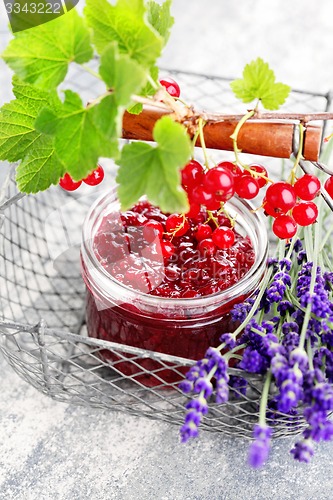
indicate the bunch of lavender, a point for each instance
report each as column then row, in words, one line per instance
column 285, row 335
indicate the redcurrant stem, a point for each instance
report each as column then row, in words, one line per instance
column 195, row 138
column 201, row 125
column 225, row 212
column 178, row 99
column 234, row 136
column 212, row 217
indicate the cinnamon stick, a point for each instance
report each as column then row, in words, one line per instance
column 259, row 137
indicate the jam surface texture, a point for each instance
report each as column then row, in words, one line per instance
column 161, row 255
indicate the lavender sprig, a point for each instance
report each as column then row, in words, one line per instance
column 286, row 335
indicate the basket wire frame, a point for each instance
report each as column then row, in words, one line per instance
column 42, row 301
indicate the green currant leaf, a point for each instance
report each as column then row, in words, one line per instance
column 258, row 82
column 19, row 140
column 41, row 55
column 159, row 16
column 121, row 74
column 81, row 134
column 124, row 23
column 155, row 170
column 148, row 90
column 40, row 168
column 135, row 108
column 17, row 120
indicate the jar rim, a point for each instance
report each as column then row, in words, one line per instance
column 101, row 281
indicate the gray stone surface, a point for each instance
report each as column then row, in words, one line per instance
column 54, row 451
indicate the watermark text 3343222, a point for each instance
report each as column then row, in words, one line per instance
column 26, row 14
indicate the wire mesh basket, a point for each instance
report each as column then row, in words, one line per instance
column 42, row 301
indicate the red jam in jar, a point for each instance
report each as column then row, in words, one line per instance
column 170, row 294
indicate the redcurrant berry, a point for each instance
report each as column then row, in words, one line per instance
column 233, row 168
column 202, row 197
column 269, row 210
column 177, row 225
column 307, row 187
column 254, row 168
column 168, row 249
column 220, row 182
column 305, row 213
column 96, row 177
column 284, row 227
column 193, row 211
column 247, row 187
column 329, row 186
column 192, row 174
column 171, row 86
column 68, row 183
column 151, row 230
column 223, row 237
column 207, row 247
column 204, row 231
column 281, row 196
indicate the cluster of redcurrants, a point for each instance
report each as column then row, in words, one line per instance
column 208, row 238
column 292, row 205
column 93, row 179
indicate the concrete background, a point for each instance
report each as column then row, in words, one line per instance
column 55, row 451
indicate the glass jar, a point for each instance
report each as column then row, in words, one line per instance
column 179, row 327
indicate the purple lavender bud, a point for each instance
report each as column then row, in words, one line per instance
column 198, row 404
column 285, row 306
column 258, row 454
column 300, row 357
column 186, row 386
column 303, row 451
column 298, row 246
column 259, row 449
column 285, row 263
column 190, row 427
column 262, row 432
column 229, row 340
column 290, row 327
column 194, row 417
column 289, row 396
column 202, row 384
column 253, row 362
column 222, row 391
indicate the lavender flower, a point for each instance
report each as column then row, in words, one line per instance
column 303, row 450
column 198, row 381
column 190, row 427
column 277, row 288
column 241, row 310
column 321, row 305
column 253, row 362
column 229, row 340
column 259, row 449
